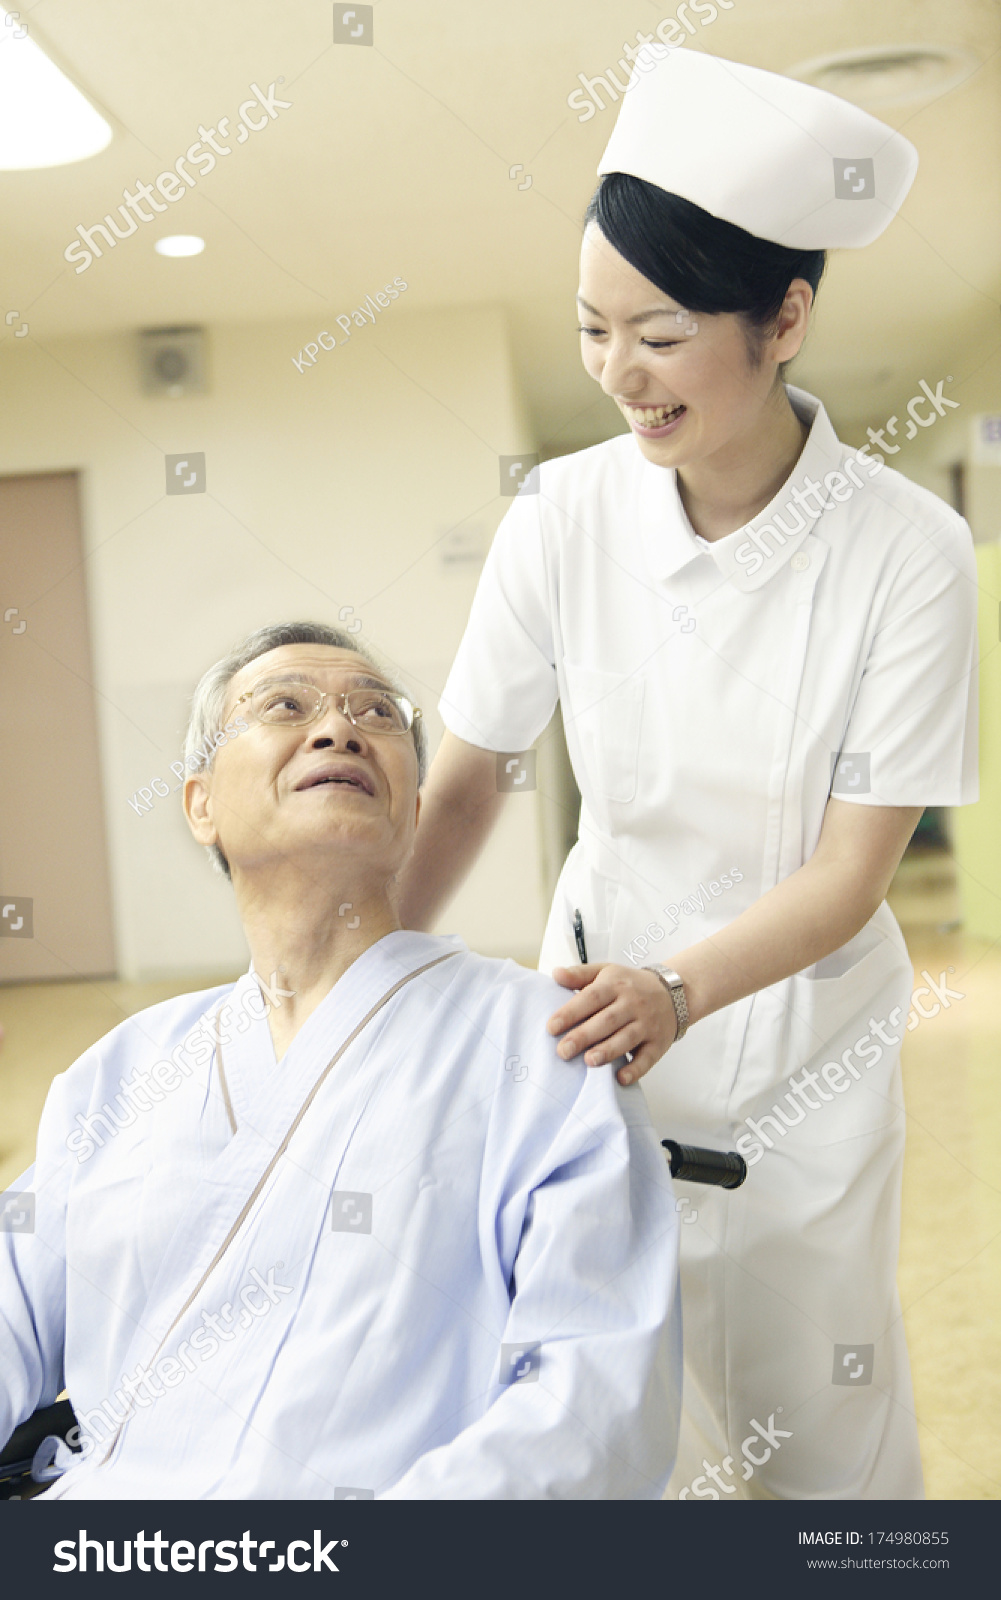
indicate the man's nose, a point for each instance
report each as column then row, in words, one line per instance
column 334, row 729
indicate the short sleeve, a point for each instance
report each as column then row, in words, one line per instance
column 501, row 691
column 915, row 714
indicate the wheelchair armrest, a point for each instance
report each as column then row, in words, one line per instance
column 57, row 1419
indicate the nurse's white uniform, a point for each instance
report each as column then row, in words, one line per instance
column 707, row 692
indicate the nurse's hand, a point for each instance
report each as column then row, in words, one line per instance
column 618, row 1010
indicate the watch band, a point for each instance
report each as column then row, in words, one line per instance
column 676, row 989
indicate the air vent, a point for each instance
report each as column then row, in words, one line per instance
column 172, row 361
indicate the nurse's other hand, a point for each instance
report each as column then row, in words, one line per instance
column 618, row 1009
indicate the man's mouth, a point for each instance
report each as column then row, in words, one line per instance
column 339, row 776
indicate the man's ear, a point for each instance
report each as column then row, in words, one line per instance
column 197, row 803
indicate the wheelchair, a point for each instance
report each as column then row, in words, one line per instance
column 688, row 1163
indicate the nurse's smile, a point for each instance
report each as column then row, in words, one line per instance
column 664, row 369
column 653, row 422
column 699, row 390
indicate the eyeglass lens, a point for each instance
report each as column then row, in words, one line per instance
column 289, row 702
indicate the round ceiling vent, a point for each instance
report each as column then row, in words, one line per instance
column 889, row 74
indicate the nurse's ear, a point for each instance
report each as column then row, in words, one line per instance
column 792, row 323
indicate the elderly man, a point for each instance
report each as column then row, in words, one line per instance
column 348, row 1227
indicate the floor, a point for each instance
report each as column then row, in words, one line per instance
column 950, row 1266
column 950, row 1258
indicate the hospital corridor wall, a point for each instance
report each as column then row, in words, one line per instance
column 54, row 880
column 362, row 492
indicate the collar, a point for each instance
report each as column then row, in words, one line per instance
column 751, row 555
column 395, row 954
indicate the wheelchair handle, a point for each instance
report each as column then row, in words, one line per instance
column 724, row 1168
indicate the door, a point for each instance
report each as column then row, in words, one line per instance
column 55, row 899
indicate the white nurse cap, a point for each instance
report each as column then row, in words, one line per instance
column 781, row 159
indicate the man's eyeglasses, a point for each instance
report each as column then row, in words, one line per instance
column 291, row 704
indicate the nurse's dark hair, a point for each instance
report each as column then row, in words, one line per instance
column 702, row 263
column 208, row 703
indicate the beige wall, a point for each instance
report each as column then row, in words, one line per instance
column 928, row 457
column 326, row 489
column 974, row 829
column 329, row 488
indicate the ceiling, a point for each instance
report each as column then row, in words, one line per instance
column 397, row 160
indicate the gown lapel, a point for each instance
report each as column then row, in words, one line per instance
column 270, row 1100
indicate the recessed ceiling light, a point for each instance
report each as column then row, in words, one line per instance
column 180, row 244
column 44, row 119
column 889, row 75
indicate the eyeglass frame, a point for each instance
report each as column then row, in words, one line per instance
column 339, row 701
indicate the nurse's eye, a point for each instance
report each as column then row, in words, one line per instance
column 661, row 344
column 592, row 333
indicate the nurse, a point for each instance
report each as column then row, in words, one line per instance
column 763, row 645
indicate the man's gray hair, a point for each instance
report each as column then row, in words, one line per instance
column 209, row 699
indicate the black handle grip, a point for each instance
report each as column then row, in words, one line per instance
column 724, row 1168
column 16, row 1455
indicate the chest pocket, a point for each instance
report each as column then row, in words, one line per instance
column 603, row 721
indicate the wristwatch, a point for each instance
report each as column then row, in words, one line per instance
column 676, row 989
